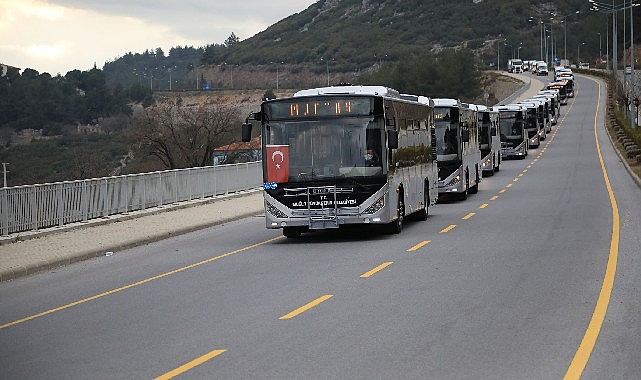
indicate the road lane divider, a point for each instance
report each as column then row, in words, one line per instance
column 484, row 205
column 468, row 216
column 379, row 268
column 187, row 366
column 135, row 284
column 447, row 229
column 307, row 306
column 418, row 246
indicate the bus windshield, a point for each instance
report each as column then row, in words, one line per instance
column 330, row 147
column 446, row 133
column 511, row 128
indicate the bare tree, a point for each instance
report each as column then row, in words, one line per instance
column 183, row 136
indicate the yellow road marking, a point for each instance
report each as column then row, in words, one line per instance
column 521, row 175
column 484, row 205
column 509, row 185
column 468, row 216
column 194, row 363
column 524, row 171
column 376, row 270
column 306, row 307
column 588, row 342
column 117, row 290
column 448, row 228
column 419, row 245
column 502, row 191
column 515, row 180
column 494, row 198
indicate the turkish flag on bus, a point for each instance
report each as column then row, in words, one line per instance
column 277, row 163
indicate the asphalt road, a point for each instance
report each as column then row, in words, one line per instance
column 504, row 285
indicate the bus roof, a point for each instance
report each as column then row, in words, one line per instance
column 509, row 107
column 418, row 98
column 444, row 102
column 350, row 90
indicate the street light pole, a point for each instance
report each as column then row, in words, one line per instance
column 541, row 41
column 578, row 59
column 632, row 46
column 565, row 35
column 4, row 173
column 615, row 53
column 599, row 48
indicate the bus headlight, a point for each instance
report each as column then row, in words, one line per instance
column 380, row 202
column 487, row 163
column 454, row 181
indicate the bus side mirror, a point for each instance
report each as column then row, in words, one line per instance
column 465, row 135
column 392, row 139
column 246, row 132
column 493, row 131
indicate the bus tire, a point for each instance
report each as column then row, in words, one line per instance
column 424, row 212
column 396, row 226
column 291, row 232
column 475, row 189
column 463, row 196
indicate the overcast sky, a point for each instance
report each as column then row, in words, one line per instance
column 57, row 36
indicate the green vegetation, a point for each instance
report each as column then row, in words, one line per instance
column 64, row 159
column 449, row 74
column 38, row 101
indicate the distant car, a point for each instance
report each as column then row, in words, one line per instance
column 541, row 68
column 628, row 70
column 584, row 65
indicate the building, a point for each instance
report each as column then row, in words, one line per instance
column 238, row 152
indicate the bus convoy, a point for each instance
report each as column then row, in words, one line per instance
column 368, row 155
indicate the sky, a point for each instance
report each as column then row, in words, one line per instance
column 57, row 36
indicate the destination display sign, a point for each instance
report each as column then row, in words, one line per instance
column 322, row 106
column 508, row 115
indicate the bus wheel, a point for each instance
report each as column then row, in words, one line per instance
column 291, row 232
column 463, row 196
column 397, row 226
column 475, row 189
column 422, row 214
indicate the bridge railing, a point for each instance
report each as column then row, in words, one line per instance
column 34, row 207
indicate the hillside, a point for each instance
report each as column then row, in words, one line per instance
column 344, row 38
column 357, row 33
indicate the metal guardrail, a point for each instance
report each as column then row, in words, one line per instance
column 33, row 207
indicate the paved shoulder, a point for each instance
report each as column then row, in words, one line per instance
column 74, row 244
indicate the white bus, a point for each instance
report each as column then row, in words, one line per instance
column 532, row 124
column 545, row 116
column 512, row 131
column 457, row 148
column 555, row 104
column 342, row 155
column 489, row 140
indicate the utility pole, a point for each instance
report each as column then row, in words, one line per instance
column 4, row 172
